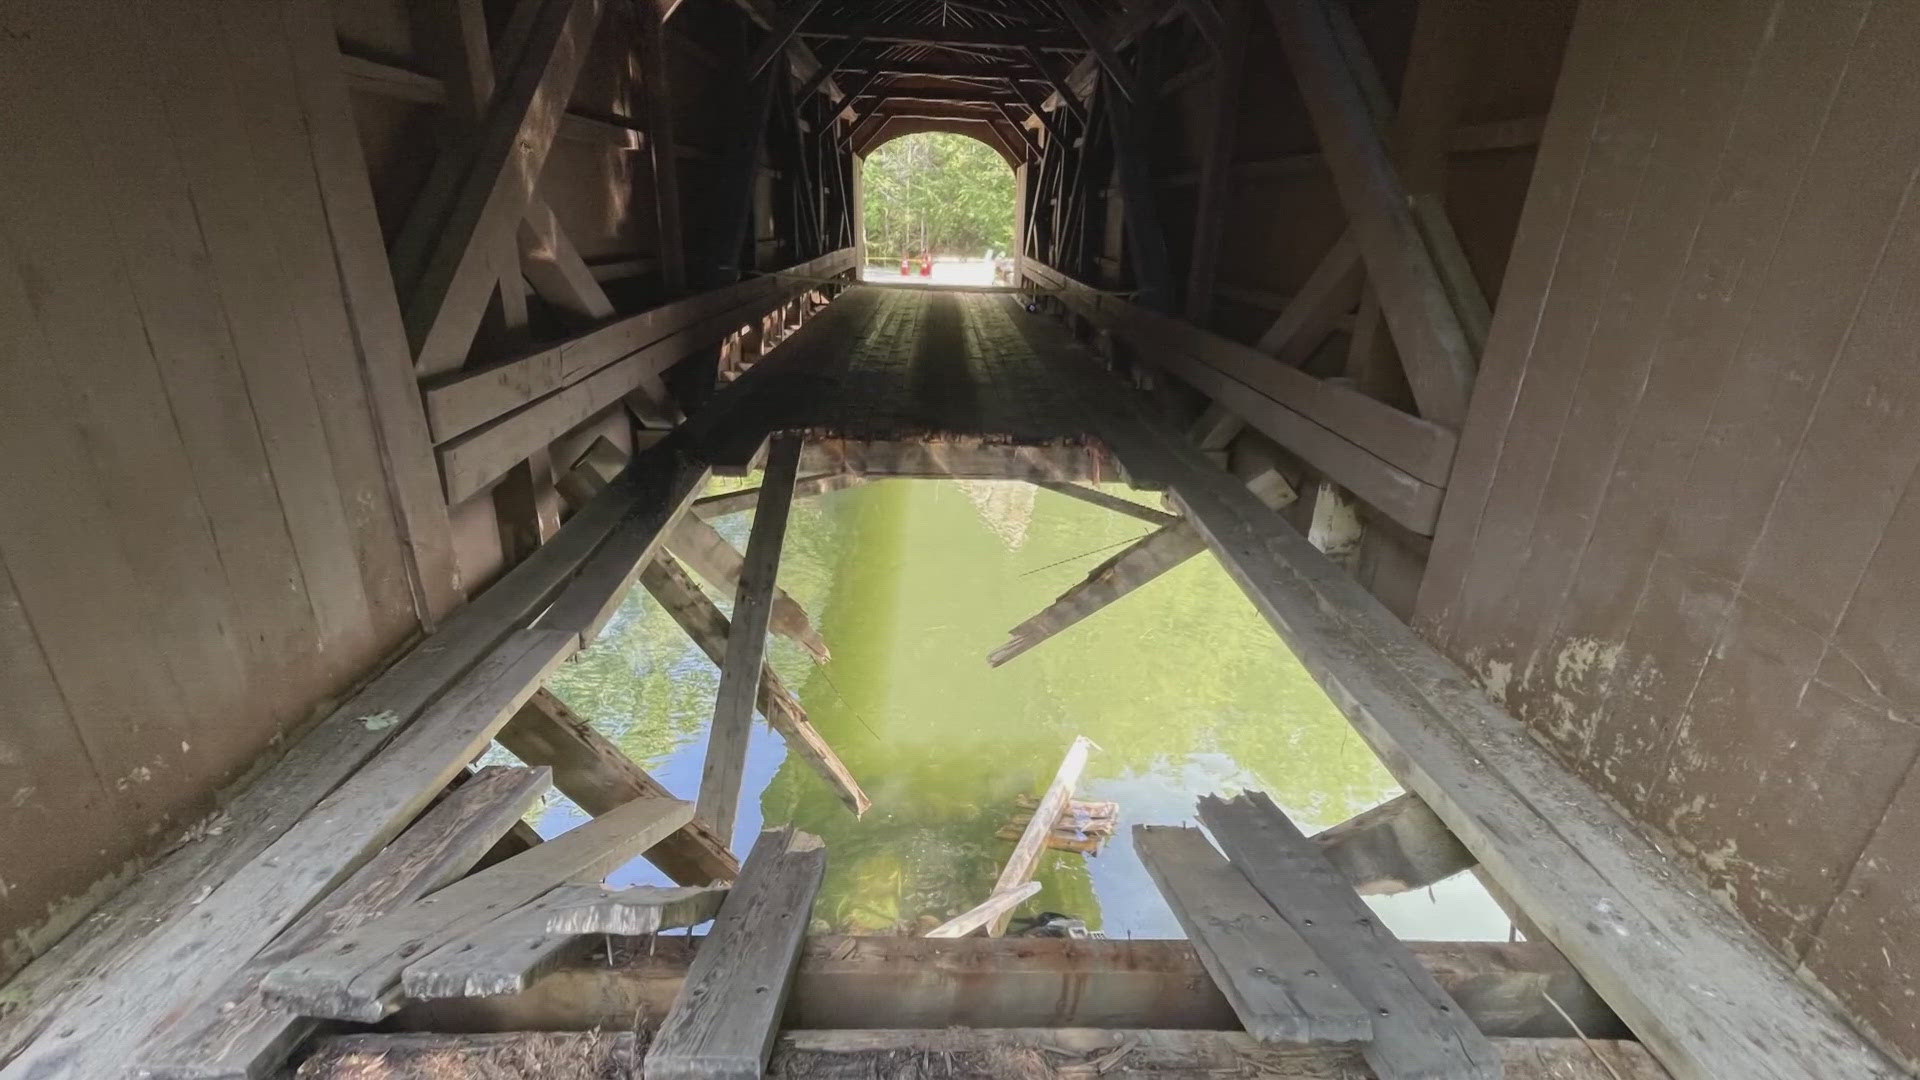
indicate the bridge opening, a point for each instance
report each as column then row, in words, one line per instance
column 939, row 211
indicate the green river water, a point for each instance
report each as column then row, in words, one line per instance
column 912, row 582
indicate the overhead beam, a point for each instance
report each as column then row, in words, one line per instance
column 973, row 37
column 478, row 194
column 722, row 773
column 1027, row 138
column 1434, row 351
column 827, row 68
column 779, row 35
column 981, row 982
column 937, row 69
column 1642, row 934
column 1032, row 102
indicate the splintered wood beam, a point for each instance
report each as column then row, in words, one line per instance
column 633, row 912
column 1279, row 989
column 726, row 759
column 712, row 507
column 357, row 975
column 1396, row 847
column 723, row 1024
column 477, row 194
column 981, row 982
column 1433, row 348
column 1417, row 1029
column 1104, row 51
column 1330, row 293
column 237, row 1033
column 707, row 625
column 1135, row 565
column 779, row 36
column 505, row 954
column 984, row 912
column 600, row 777
column 1105, row 501
column 1032, row 844
column 695, row 542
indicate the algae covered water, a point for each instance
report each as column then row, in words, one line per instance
column 912, row 583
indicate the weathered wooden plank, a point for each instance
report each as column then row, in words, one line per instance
column 1279, row 988
column 478, row 193
column 710, row 629
column 737, row 502
column 1110, row 502
column 1133, row 566
column 1549, row 840
column 1395, row 847
column 599, row 777
column 917, row 982
column 1032, row 844
column 353, row 976
column 237, row 1033
column 1434, row 350
column 723, row 1024
column 721, row 774
column 1417, row 1030
column 637, row 911
column 704, row 551
column 855, row 1054
column 984, row 912
column 504, row 955
column 553, row 266
column 244, row 912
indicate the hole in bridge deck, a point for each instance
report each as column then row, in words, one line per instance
column 912, row 583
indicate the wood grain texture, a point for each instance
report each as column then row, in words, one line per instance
column 984, row 912
column 1278, row 987
column 721, row 773
column 237, row 1033
column 506, row 954
column 723, row 1024
column 599, row 777
column 354, row 976
column 1417, row 1030
column 1395, row 847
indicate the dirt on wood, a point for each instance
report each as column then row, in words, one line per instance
column 586, row 1055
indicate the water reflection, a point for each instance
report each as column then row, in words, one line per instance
column 912, row 583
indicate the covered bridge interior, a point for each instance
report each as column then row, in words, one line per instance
column 1541, row 370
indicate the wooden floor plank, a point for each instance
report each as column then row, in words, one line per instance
column 237, row 1033
column 1418, row 1031
column 355, row 975
column 721, row 775
column 723, row 1025
column 1278, row 988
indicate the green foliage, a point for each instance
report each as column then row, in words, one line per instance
column 940, row 192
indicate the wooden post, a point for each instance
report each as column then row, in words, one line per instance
column 732, row 204
column 662, row 144
column 1216, row 165
column 726, row 759
column 1146, row 240
column 1033, row 840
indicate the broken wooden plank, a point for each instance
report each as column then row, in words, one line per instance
column 441, row 257
column 696, row 543
column 1543, row 835
column 636, row 911
column 354, row 976
column 1025, row 858
column 1115, row 503
column 709, row 628
column 504, row 955
column 918, row 982
column 726, row 759
column 237, row 1033
column 1135, row 565
column 1418, row 1031
column 711, row 507
column 599, row 777
column 979, row 915
column 1395, row 847
column 243, row 913
column 855, row 1054
column 723, row 1023
column 1279, row 989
